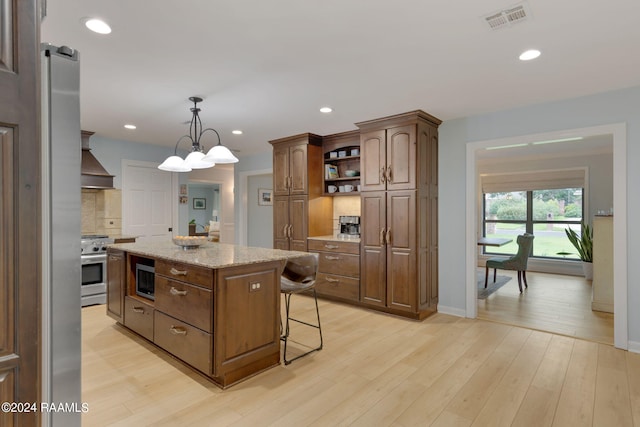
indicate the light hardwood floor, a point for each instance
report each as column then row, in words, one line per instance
column 552, row 303
column 375, row 370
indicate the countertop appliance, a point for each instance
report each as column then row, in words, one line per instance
column 61, row 227
column 349, row 226
column 93, row 257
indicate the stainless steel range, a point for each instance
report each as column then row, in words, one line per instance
column 94, row 269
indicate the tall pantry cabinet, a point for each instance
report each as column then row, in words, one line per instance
column 399, row 224
column 299, row 211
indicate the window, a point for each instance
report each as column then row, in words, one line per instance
column 544, row 213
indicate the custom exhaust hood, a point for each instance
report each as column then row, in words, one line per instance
column 94, row 175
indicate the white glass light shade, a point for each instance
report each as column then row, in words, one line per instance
column 196, row 160
column 174, row 164
column 221, row 154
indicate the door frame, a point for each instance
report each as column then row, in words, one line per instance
column 620, row 289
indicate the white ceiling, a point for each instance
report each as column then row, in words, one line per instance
column 266, row 67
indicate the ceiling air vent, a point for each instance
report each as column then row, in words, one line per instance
column 507, row 17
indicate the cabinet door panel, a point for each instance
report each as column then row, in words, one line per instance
column 401, row 158
column 372, row 160
column 115, row 284
column 298, row 219
column 280, row 222
column 401, row 250
column 298, row 169
column 280, row 171
column 373, row 253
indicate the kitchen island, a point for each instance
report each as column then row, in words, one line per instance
column 216, row 307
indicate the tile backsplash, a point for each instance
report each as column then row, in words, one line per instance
column 344, row 205
column 102, row 212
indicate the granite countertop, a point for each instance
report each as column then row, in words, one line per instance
column 210, row 254
column 336, row 238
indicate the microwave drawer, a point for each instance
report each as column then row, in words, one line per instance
column 194, row 274
column 341, row 264
column 191, row 304
column 184, row 341
column 138, row 316
column 334, row 246
column 338, row 286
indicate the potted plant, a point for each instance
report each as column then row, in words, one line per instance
column 584, row 245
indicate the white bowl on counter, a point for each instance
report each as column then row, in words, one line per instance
column 190, row 242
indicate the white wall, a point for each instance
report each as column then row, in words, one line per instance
column 601, row 109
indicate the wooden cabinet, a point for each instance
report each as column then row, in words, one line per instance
column 389, row 248
column 138, row 316
column 299, row 210
column 338, row 268
column 389, row 159
column 297, row 165
column 116, row 276
column 222, row 322
column 399, row 202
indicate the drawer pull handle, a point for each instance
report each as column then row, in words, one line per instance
column 330, row 280
column 138, row 310
column 332, row 258
column 331, row 246
column 174, row 291
column 176, row 330
column 177, row 272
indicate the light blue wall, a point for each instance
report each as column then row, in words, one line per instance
column 110, row 153
column 622, row 106
column 259, row 218
column 257, row 162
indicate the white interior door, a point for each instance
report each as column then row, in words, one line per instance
column 146, row 201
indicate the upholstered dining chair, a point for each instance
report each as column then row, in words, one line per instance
column 299, row 275
column 517, row 262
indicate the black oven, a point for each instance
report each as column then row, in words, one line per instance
column 145, row 281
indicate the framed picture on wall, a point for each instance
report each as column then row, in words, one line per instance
column 265, row 197
column 199, row 203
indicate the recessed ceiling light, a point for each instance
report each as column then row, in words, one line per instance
column 326, row 109
column 236, row 132
column 130, row 126
column 98, row 26
column 529, row 55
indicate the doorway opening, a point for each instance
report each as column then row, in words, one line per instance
column 473, row 189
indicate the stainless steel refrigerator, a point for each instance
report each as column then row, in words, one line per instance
column 61, row 204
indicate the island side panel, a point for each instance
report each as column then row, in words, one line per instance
column 246, row 320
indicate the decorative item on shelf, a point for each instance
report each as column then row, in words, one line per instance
column 342, row 153
column 584, row 246
column 332, row 188
column 196, row 159
column 351, row 173
column 331, row 172
column 333, row 154
column 355, row 151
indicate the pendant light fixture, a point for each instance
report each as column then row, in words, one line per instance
column 197, row 159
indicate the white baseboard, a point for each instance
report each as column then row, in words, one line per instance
column 451, row 311
column 634, row 346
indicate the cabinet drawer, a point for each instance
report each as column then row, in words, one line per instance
column 183, row 341
column 338, row 286
column 191, row 304
column 201, row 276
column 340, row 264
column 334, row 246
column 138, row 316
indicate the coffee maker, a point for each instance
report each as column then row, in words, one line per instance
column 349, row 226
